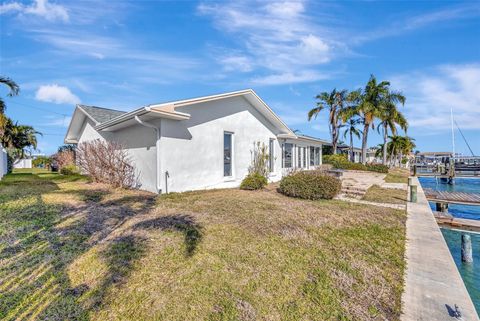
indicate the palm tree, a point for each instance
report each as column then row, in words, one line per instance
column 390, row 117
column 13, row 91
column 19, row 137
column 352, row 130
column 399, row 146
column 368, row 104
column 335, row 101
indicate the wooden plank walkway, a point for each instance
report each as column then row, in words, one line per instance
column 447, row 220
column 452, row 197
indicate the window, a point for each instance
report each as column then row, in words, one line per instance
column 299, row 156
column 287, row 155
column 304, row 154
column 227, row 154
column 314, row 156
column 271, row 155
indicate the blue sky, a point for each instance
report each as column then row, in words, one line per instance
column 123, row 55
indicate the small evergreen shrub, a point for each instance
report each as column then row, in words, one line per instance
column 253, row 181
column 310, row 185
column 379, row 168
column 69, row 169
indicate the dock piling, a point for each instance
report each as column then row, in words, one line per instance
column 467, row 256
column 441, row 207
column 413, row 193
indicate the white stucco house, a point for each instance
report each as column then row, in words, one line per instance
column 198, row 143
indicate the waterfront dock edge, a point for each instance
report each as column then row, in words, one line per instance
column 433, row 285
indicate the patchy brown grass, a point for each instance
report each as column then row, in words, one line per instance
column 80, row 251
column 397, row 175
column 385, row 195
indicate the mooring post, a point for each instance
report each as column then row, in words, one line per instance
column 441, row 207
column 467, row 256
column 414, row 170
column 410, row 181
column 413, row 193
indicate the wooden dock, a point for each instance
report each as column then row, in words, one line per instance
column 452, row 197
column 448, row 221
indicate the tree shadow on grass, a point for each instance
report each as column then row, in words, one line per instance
column 185, row 224
column 39, row 241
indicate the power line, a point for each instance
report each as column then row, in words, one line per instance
column 38, row 108
column 51, row 134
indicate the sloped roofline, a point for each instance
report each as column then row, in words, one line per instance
column 168, row 109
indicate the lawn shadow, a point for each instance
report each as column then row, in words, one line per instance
column 43, row 239
column 183, row 223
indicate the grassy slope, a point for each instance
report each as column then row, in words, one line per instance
column 72, row 250
column 397, row 175
column 385, row 195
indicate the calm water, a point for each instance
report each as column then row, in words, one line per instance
column 468, row 185
column 469, row 272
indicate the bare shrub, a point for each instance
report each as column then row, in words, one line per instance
column 106, row 162
column 64, row 158
column 260, row 159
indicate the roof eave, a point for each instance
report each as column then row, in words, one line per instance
column 139, row 112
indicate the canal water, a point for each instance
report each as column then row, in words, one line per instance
column 469, row 272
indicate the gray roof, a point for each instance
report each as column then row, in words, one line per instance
column 100, row 114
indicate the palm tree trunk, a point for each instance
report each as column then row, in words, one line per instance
column 352, row 156
column 334, row 140
column 385, row 136
column 364, row 143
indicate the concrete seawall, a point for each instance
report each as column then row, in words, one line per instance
column 433, row 285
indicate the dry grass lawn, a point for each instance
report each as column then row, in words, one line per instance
column 71, row 250
column 397, row 175
column 385, row 195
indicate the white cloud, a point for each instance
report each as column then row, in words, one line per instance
column 290, row 78
column 236, row 63
column 39, row 8
column 411, row 23
column 278, row 38
column 432, row 93
column 58, row 121
column 56, row 94
column 10, row 7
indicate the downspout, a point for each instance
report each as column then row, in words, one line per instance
column 157, row 146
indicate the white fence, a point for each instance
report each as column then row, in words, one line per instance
column 23, row 163
column 3, row 161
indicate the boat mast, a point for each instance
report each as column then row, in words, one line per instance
column 453, row 133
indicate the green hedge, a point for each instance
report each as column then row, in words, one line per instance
column 310, row 185
column 253, row 182
column 379, row 168
column 69, row 170
column 340, row 161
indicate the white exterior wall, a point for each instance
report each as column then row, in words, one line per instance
column 23, row 163
column 192, row 150
column 3, row 161
column 140, row 142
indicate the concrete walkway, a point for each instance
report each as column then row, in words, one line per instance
column 394, row 186
column 354, row 200
column 433, row 285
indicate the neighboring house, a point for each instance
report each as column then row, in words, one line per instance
column 357, row 152
column 198, row 143
column 3, row 161
column 23, row 163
